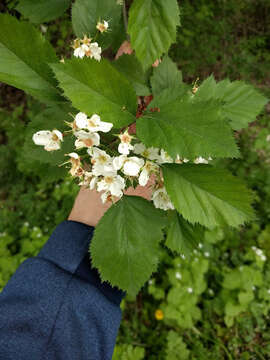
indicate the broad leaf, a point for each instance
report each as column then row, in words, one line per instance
column 207, row 195
column 125, row 245
column 42, row 10
column 95, row 87
column 49, row 119
column 152, row 28
column 130, row 67
column 188, row 129
column 24, row 54
column 165, row 76
column 182, row 237
column 241, row 102
column 86, row 14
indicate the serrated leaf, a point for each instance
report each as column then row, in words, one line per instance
column 182, row 237
column 49, row 119
column 125, row 245
column 95, row 87
column 130, row 67
column 188, row 129
column 152, row 28
column 24, row 54
column 42, row 10
column 165, row 76
column 86, row 14
column 207, row 195
column 241, row 102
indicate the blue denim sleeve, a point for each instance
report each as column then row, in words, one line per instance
column 56, row 307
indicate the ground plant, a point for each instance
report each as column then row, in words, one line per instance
column 114, row 123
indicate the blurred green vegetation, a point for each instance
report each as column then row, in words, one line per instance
column 215, row 306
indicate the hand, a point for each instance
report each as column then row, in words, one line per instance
column 89, row 209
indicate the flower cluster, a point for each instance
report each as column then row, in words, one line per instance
column 84, row 47
column 113, row 169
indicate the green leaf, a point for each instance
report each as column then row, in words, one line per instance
column 152, row 28
column 95, row 87
column 182, row 237
column 165, row 76
column 188, row 129
column 207, row 195
column 42, row 10
column 130, row 231
column 241, row 102
column 49, row 119
column 86, row 14
column 130, row 67
column 24, row 54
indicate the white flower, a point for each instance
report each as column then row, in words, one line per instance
column 125, row 145
column 148, row 168
column 164, row 157
column 200, row 160
column 206, row 254
column 150, row 153
column 102, row 162
column 94, row 51
column 189, row 290
column 49, row 139
column 124, row 148
column 268, row 137
column 87, row 178
column 81, row 51
column 94, row 124
column 114, row 184
column 132, row 166
column 178, row 275
column 75, row 162
column 161, row 199
column 86, row 139
column 102, row 26
column 104, row 196
column 81, row 120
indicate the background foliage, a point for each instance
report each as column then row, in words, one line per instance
column 215, row 305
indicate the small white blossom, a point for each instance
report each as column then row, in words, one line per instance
column 94, row 51
column 148, row 168
column 125, row 145
column 161, row 199
column 189, row 290
column 200, row 160
column 102, row 26
column 86, row 139
column 268, row 137
column 113, row 184
column 132, row 166
column 94, row 124
column 206, row 254
column 268, row 291
column 164, row 157
column 149, row 153
column 178, row 275
column 49, row 139
column 200, row 245
column 102, row 162
column 75, row 162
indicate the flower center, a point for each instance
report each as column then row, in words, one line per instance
column 102, row 159
column 88, row 142
column 109, row 179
